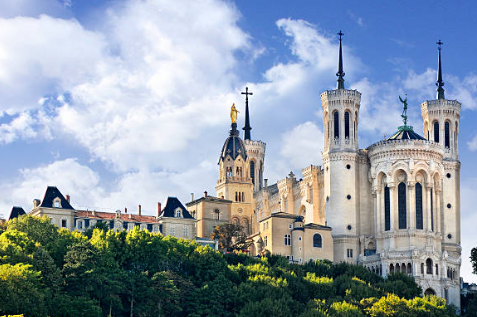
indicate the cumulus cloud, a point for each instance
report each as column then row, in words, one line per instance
column 302, row 145
column 68, row 175
column 473, row 144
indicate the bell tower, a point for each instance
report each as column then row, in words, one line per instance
column 234, row 181
column 341, row 163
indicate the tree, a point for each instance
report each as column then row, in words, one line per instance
column 20, row 290
column 473, row 259
column 231, row 237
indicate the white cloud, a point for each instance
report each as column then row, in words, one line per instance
column 68, row 175
column 473, row 144
column 19, row 127
column 302, row 145
column 468, row 221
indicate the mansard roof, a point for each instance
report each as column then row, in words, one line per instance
column 51, row 193
column 16, row 212
column 172, row 204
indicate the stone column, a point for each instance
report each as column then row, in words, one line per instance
column 437, row 210
column 378, row 214
column 412, row 205
column 428, row 220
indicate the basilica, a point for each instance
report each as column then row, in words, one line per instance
column 393, row 206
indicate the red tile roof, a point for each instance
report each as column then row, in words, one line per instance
column 112, row 215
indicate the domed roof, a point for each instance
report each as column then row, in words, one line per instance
column 405, row 133
column 233, row 146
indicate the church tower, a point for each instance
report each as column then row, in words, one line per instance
column 255, row 150
column 234, row 181
column 441, row 125
column 341, row 163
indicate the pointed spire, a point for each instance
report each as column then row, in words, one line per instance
column 247, row 126
column 439, row 83
column 340, row 72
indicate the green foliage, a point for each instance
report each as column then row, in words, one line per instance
column 231, row 237
column 473, row 260
column 46, row 271
column 20, row 290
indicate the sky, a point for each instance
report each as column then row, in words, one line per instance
column 120, row 103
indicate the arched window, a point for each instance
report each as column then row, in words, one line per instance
column 446, row 134
column 429, row 266
column 437, row 269
column 252, row 172
column 391, row 268
column 419, row 218
column 422, row 268
column 387, row 209
column 347, row 124
column 409, row 268
column 317, row 241
column 402, row 206
column 336, row 124
column 436, row 132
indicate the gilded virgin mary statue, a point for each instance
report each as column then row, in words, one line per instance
column 233, row 113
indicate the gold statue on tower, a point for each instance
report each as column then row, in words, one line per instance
column 233, row 113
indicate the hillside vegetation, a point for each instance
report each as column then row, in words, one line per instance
column 46, row 271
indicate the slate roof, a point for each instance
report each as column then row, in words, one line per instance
column 172, row 204
column 51, row 193
column 208, row 198
column 233, row 146
column 100, row 215
column 405, row 133
column 16, row 212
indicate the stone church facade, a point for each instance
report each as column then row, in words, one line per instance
column 391, row 207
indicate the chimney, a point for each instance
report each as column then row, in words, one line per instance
column 191, row 196
column 67, row 198
column 139, row 210
column 266, row 182
column 205, row 194
column 36, row 203
column 158, row 209
column 125, row 210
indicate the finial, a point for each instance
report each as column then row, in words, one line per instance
column 439, row 83
column 247, row 126
column 340, row 72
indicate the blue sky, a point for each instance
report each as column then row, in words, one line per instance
column 120, row 103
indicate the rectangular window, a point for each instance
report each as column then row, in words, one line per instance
column 349, row 253
column 186, row 231
column 80, row 224
column 63, row 223
column 265, row 241
column 172, row 229
column 287, row 239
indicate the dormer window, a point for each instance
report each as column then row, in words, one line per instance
column 178, row 213
column 57, row 202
